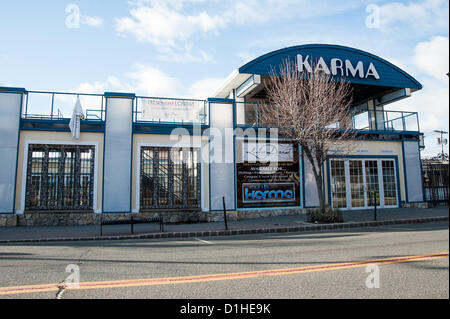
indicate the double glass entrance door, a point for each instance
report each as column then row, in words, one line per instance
column 360, row 183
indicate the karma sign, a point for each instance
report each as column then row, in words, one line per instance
column 268, row 193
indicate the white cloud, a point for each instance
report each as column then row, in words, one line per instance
column 429, row 15
column 184, row 56
column 432, row 57
column 204, row 88
column 172, row 25
column 430, row 61
column 147, row 80
column 162, row 25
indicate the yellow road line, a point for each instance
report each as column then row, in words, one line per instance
column 213, row 277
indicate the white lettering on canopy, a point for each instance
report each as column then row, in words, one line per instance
column 338, row 67
column 171, row 110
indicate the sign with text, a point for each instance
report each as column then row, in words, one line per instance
column 268, row 175
column 268, row 152
column 268, row 193
column 171, row 110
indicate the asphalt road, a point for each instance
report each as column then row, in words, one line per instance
column 166, row 266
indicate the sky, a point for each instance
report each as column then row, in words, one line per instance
column 186, row 48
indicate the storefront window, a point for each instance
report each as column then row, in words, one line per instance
column 170, row 178
column 60, row 177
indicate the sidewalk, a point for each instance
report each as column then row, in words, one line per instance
column 296, row 223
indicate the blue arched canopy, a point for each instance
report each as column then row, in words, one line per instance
column 358, row 67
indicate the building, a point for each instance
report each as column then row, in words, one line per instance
column 125, row 161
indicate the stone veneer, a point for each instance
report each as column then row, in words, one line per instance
column 415, row 205
column 90, row 218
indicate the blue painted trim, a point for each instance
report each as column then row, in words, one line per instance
column 303, row 178
column 405, row 177
column 4, row 89
column 168, row 98
column 209, row 157
column 119, row 95
column 234, row 153
column 245, row 68
column 62, row 130
column 379, row 132
column 166, row 129
column 220, row 100
column 329, row 181
column 363, row 156
column 397, row 174
column 61, row 121
column 421, row 173
column 269, row 208
column 17, row 155
column 300, row 170
column 103, row 164
column 131, row 158
column 323, row 184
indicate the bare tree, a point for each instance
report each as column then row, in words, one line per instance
column 313, row 110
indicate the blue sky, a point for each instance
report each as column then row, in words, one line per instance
column 186, row 48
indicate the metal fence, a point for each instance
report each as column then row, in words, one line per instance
column 435, row 182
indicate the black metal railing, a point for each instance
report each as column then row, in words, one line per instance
column 436, row 183
column 249, row 114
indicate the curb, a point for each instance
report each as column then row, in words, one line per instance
column 211, row 233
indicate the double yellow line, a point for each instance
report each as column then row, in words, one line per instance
column 215, row 277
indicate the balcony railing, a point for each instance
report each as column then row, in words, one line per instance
column 247, row 114
column 53, row 106
column 58, row 106
column 387, row 121
column 154, row 110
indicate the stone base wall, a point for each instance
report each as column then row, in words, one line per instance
column 172, row 217
column 8, row 220
column 415, row 205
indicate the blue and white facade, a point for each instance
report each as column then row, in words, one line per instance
column 181, row 157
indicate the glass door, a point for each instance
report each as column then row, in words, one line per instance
column 372, row 183
column 355, row 183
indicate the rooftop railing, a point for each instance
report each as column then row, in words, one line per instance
column 247, row 114
column 42, row 105
column 155, row 110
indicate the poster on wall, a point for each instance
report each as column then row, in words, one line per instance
column 268, row 175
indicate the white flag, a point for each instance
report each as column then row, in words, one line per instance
column 77, row 116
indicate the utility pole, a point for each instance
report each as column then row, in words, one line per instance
column 442, row 142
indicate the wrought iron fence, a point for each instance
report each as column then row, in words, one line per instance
column 436, row 184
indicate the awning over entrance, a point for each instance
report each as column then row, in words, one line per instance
column 370, row 75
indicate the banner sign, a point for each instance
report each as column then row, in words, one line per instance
column 268, row 175
column 263, row 152
column 171, row 110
